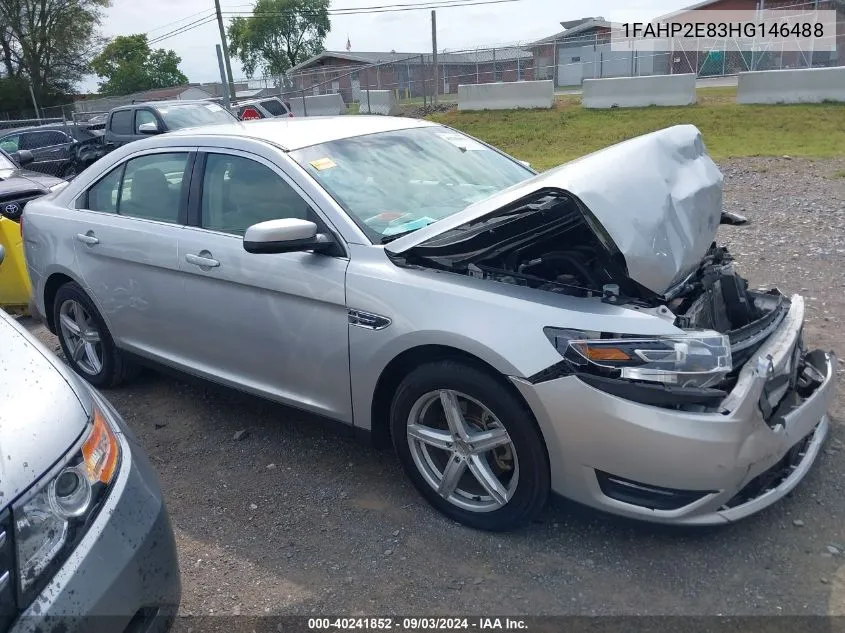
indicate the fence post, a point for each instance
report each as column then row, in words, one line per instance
column 304, row 107
column 422, row 77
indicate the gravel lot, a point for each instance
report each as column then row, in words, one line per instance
column 296, row 519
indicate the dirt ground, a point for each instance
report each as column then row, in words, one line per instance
column 296, row 519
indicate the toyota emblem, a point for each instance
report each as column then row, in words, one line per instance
column 11, row 209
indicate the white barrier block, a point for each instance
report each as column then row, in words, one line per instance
column 638, row 92
column 506, row 96
column 318, row 105
column 809, row 85
column 380, row 102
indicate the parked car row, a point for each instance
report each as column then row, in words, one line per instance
column 64, row 150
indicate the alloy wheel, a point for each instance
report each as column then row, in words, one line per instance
column 81, row 337
column 462, row 450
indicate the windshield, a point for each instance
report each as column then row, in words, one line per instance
column 391, row 183
column 177, row 117
column 6, row 162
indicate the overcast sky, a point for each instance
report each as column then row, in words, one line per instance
column 407, row 31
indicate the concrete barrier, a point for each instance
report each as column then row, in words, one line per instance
column 638, row 92
column 810, row 85
column 505, row 96
column 318, row 105
column 380, row 102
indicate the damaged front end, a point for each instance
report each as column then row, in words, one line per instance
column 634, row 226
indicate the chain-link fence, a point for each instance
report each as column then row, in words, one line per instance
column 568, row 58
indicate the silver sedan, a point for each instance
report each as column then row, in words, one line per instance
column 513, row 334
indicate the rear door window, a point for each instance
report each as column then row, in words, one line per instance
column 103, row 195
column 152, row 187
column 37, row 140
column 121, row 122
column 276, row 108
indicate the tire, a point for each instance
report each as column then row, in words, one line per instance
column 113, row 367
column 521, row 467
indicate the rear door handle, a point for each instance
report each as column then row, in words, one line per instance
column 87, row 238
column 202, row 262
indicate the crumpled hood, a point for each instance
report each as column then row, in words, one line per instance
column 41, row 415
column 658, row 196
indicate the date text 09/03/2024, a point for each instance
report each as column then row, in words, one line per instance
column 418, row 624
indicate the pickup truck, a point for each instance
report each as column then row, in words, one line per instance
column 139, row 120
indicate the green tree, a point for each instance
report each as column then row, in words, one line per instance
column 48, row 44
column 129, row 65
column 279, row 34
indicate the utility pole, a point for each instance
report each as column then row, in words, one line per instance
column 34, row 102
column 231, row 82
column 434, row 55
column 226, row 101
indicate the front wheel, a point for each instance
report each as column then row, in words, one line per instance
column 470, row 446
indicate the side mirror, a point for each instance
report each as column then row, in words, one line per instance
column 288, row 235
column 526, row 163
column 2, row 253
column 150, row 127
column 23, row 157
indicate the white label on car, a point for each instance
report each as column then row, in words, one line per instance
column 464, row 143
column 214, row 107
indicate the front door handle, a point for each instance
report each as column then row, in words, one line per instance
column 201, row 261
column 87, row 238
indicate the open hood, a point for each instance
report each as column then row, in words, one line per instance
column 657, row 196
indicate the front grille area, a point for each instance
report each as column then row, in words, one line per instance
column 773, row 477
column 646, row 495
column 8, row 584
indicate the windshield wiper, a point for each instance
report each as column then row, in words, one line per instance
column 389, row 238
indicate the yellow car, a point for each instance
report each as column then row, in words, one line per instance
column 17, row 187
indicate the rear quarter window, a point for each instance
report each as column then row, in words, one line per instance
column 274, row 107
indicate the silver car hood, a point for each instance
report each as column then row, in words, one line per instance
column 41, row 415
column 658, row 196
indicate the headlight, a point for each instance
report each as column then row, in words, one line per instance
column 52, row 517
column 692, row 359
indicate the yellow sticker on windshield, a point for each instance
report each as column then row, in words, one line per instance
column 323, row 163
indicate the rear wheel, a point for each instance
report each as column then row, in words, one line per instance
column 470, row 446
column 85, row 339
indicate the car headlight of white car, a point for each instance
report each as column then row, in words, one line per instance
column 690, row 359
column 51, row 518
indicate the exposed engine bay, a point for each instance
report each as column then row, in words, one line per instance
column 552, row 243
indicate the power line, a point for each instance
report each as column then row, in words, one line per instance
column 169, row 24
column 387, row 8
column 184, row 29
column 432, row 4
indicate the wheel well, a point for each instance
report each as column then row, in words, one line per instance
column 54, row 282
column 396, row 370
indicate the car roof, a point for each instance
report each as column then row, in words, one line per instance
column 296, row 133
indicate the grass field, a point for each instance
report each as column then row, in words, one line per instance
column 547, row 138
